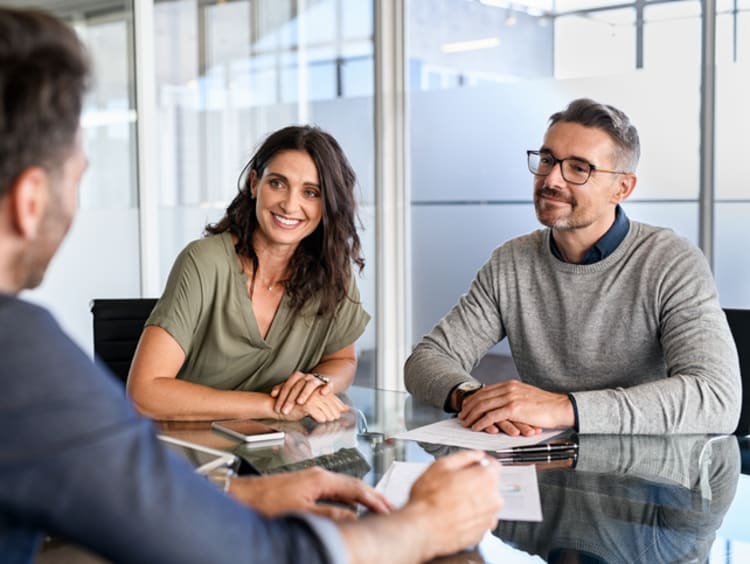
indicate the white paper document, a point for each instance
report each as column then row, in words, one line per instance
column 451, row 432
column 518, row 486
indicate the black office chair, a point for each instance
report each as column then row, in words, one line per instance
column 118, row 325
column 739, row 323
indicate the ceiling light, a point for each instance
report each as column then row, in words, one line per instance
column 471, row 45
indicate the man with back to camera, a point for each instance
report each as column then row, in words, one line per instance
column 614, row 325
column 77, row 461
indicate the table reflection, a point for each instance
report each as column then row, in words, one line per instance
column 633, row 499
column 629, row 499
column 329, row 445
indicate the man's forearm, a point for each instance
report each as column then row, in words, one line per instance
column 679, row 404
column 430, row 374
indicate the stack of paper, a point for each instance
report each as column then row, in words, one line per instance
column 451, row 432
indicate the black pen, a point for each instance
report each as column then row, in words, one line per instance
column 538, row 457
column 530, row 449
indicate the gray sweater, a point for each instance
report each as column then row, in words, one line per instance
column 639, row 338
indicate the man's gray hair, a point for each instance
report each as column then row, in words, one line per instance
column 609, row 119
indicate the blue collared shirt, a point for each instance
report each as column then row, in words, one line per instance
column 606, row 245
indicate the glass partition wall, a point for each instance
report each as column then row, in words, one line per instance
column 482, row 78
column 229, row 73
column 100, row 257
column 732, row 190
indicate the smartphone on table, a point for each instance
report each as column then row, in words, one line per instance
column 248, row 430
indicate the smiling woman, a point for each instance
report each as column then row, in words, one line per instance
column 288, row 207
column 267, row 301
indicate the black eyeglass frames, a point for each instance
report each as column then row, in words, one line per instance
column 573, row 170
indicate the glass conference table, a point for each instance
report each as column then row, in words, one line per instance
column 630, row 499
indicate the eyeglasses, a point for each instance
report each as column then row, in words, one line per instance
column 575, row 171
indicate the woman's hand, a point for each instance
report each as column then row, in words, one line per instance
column 339, row 369
column 296, row 390
column 322, row 408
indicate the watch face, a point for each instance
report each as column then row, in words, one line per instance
column 465, row 390
column 469, row 387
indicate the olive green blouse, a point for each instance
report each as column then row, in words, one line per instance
column 206, row 308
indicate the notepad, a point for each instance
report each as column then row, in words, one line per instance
column 518, row 486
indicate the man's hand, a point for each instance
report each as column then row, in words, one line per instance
column 451, row 506
column 296, row 390
column 300, row 491
column 457, row 499
column 516, row 409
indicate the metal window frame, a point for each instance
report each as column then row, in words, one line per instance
column 393, row 316
column 146, row 145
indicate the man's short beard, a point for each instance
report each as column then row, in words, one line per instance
column 560, row 224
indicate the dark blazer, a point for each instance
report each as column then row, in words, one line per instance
column 76, row 460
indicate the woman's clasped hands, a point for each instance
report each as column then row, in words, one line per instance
column 304, row 394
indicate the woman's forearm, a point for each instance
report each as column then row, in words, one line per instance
column 173, row 399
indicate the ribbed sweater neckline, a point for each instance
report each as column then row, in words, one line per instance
column 599, row 266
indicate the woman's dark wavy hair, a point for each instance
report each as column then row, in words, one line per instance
column 322, row 264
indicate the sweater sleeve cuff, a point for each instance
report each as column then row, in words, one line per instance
column 572, row 399
column 447, row 407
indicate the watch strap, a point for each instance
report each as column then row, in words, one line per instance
column 461, row 396
column 448, row 406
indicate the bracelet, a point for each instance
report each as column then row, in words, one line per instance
column 324, row 379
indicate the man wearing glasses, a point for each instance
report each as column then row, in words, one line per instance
column 614, row 325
